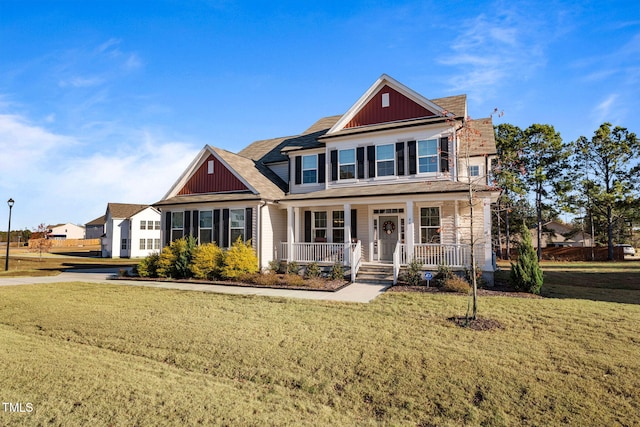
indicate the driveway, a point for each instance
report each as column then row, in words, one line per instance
column 356, row 292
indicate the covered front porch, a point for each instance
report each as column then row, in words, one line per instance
column 386, row 232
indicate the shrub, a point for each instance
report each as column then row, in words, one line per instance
column 469, row 278
column 148, row 267
column 413, row 274
column 292, row 268
column 526, row 274
column 293, row 280
column 275, row 266
column 239, row 259
column 337, row 271
column 265, row 279
column 444, row 273
column 456, row 284
column 175, row 259
column 206, row 261
column 312, row 271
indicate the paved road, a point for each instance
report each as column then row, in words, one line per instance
column 356, row 292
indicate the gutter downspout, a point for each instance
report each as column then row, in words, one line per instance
column 258, row 231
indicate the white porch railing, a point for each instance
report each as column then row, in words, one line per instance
column 398, row 253
column 435, row 254
column 318, row 252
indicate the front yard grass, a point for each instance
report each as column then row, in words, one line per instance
column 88, row 354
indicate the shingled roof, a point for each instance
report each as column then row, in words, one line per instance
column 124, row 210
column 481, row 137
column 453, row 104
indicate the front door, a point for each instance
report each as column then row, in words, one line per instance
column 388, row 235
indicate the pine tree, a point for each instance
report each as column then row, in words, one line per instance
column 526, row 274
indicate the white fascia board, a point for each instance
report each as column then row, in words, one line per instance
column 193, row 166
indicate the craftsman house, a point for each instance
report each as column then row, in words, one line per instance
column 388, row 181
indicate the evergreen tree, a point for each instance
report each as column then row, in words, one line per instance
column 526, row 274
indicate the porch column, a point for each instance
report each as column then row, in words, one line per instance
column 409, row 232
column 296, row 225
column 456, row 222
column 290, row 235
column 347, row 233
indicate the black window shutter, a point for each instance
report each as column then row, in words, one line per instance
column 411, row 146
column 444, row 154
column 354, row 223
column 322, row 159
column 225, row 228
column 334, row 165
column 216, row 226
column 195, row 224
column 400, row 158
column 298, row 170
column 371, row 158
column 167, row 228
column 360, row 157
column 187, row 223
column 307, row 226
column 248, row 224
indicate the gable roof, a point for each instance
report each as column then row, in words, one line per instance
column 124, row 210
column 256, row 178
column 414, row 106
column 98, row 221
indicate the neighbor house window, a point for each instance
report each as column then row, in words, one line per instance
column 149, row 244
column 143, row 244
column 157, row 225
column 123, row 244
column 428, row 156
column 310, row 169
column 206, row 227
column 156, row 243
column 236, row 219
column 474, row 170
column 319, row 226
column 385, row 160
column 143, row 225
column 338, row 226
column 347, row 162
column 177, row 225
column 430, row 225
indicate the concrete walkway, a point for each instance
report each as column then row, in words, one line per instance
column 356, row 292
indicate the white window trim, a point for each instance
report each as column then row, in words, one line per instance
column 231, row 227
column 392, row 159
column 426, row 227
column 355, row 162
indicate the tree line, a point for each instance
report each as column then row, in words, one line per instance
column 595, row 179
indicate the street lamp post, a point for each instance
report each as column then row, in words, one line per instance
column 10, row 202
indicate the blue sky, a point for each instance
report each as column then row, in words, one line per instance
column 109, row 101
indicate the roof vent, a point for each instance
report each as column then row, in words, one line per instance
column 385, row 100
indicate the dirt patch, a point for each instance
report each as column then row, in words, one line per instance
column 479, row 324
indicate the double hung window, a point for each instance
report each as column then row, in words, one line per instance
column 385, row 160
column 338, row 226
column 428, row 156
column 347, row 162
column 177, row 225
column 236, row 220
column 320, row 226
column 430, row 225
column 206, row 227
column 310, row 169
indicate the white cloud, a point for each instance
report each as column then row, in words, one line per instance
column 604, row 111
column 52, row 181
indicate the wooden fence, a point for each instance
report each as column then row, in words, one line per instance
column 70, row 243
column 600, row 253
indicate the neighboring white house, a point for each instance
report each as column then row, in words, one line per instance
column 65, row 231
column 557, row 234
column 384, row 183
column 130, row 231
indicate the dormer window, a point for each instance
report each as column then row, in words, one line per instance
column 428, row 156
column 310, row 169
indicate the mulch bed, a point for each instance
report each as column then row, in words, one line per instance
column 479, row 324
column 309, row 284
column 498, row 290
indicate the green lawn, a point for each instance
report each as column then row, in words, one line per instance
column 87, row 354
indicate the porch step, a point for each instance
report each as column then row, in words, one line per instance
column 379, row 274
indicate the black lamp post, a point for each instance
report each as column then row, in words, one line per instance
column 10, row 202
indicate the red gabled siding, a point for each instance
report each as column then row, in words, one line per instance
column 222, row 180
column 400, row 108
